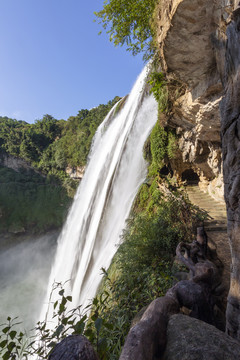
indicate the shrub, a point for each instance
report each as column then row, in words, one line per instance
column 158, row 139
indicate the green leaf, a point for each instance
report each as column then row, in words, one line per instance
column 58, row 331
column 98, row 324
column 61, row 309
column 95, row 301
column 11, row 346
column 12, row 334
column 6, row 329
column 79, row 328
column 65, row 321
column 55, row 305
column 7, row 355
column 3, row 343
column 52, row 344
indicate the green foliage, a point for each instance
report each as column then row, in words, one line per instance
column 172, row 146
column 141, row 270
column 166, row 89
column 159, row 88
column 18, row 345
column 158, row 140
column 38, row 203
column 161, row 146
column 12, row 341
column 128, row 22
column 126, row 295
column 30, row 202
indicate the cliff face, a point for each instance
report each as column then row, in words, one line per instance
column 16, row 164
column 230, row 118
column 187, row 33
column 199, row 44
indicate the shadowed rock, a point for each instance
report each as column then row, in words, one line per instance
column 75, row 347
column 230, row 119
column 188, row 338
column 147, row 339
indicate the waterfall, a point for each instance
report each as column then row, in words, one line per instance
column 115, row 170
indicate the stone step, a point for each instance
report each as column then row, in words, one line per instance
column 217, row 216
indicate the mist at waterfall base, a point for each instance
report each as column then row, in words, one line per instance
column 115, row 171
column 24, row 271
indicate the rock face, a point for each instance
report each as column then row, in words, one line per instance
column 76, row 173
column 187, row 32
column 15, row 163
column 230, row 116
column 189, row 338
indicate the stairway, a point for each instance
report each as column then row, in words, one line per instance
column 217, row 217
column 216, row 228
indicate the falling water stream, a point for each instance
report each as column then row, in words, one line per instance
column 115, row 170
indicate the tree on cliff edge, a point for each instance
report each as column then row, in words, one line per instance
column 128, row 22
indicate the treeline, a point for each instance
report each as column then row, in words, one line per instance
column 51, row 145
column 38, row 200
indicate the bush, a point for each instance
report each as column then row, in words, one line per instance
column 158, row 139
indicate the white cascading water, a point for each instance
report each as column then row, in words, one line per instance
column 115, row 170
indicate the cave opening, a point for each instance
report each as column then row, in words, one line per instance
column 190, row 176
column 166, row 170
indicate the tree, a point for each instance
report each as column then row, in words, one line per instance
column 128, row 23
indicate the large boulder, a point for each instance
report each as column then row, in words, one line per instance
column 192, row 339
column 74, row 347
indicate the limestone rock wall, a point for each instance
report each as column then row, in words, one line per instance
column 187, row 33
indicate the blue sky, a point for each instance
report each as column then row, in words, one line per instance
column 54, row 62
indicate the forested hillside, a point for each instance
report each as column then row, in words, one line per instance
column 37, row 198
